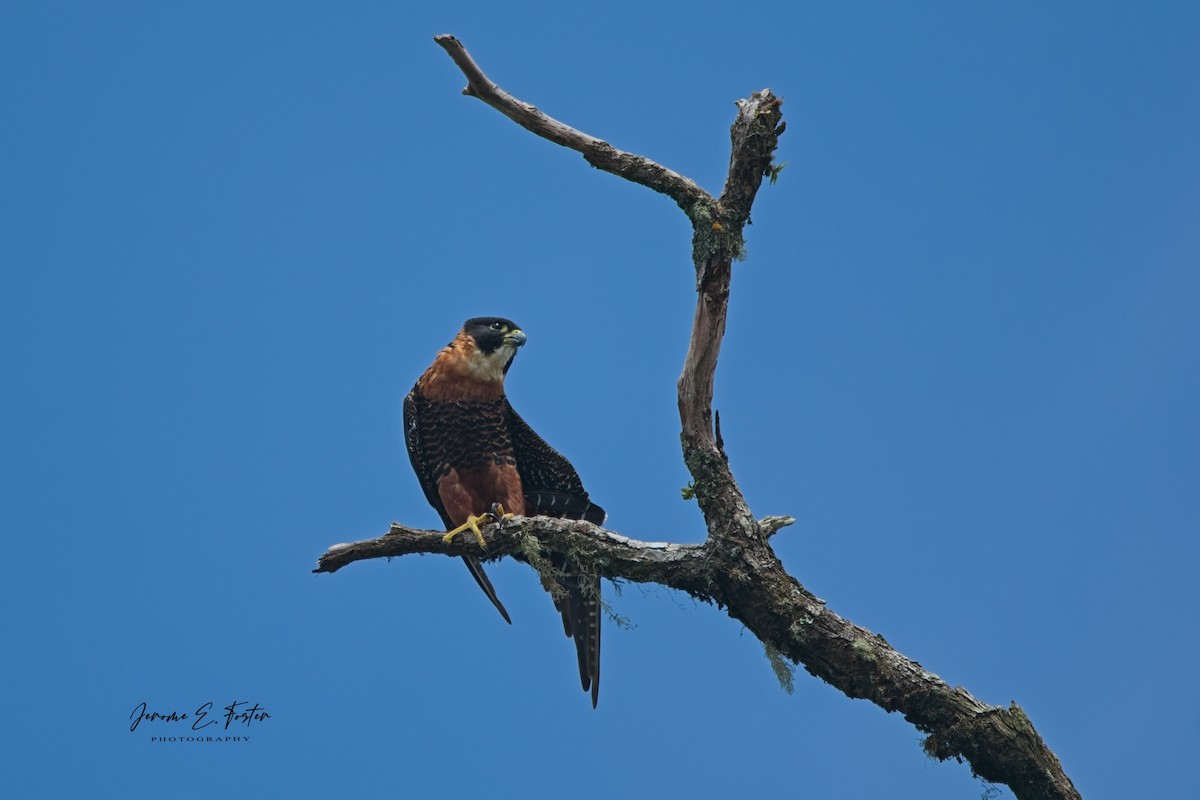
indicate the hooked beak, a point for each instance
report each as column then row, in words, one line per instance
column 515, row 338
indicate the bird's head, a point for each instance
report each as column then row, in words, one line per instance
column 496, row 341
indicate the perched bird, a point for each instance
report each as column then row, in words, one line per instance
column 479, row 462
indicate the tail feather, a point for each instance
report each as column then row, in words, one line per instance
column 580, row 610
column 580, row 603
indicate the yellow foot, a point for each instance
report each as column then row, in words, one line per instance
column 499, row 514
column 472, row 525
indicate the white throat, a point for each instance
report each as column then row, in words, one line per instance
column 490, row 366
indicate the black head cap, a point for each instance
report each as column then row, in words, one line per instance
column 491, row 332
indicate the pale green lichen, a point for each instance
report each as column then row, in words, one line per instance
column 785, row 671
column 863, row 649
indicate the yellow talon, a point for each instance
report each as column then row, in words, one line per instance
column 472, row 525
column 499, row 514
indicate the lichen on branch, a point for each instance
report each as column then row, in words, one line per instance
column 736, row 567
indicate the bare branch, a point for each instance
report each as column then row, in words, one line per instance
column 716, row 243
column 598, row 153
column 752, row 585
column 598, row 551
column 736, row 568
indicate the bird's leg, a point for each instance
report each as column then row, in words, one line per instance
column 472, row 525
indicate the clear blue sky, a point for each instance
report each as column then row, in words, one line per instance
column 963, row 353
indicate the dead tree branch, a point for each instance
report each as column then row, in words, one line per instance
column 597, row 551
column 736, row 568
column 598, row 153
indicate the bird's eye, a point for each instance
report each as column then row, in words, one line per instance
column 496, row 326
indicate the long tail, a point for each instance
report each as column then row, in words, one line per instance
column 580, row 611
column 476, row 569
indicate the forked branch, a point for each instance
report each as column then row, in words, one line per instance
column 736, row 568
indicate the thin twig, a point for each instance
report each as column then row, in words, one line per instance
column 599, row 154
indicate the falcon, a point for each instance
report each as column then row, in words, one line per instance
column 479, row 462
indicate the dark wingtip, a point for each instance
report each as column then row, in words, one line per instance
column 595, row 514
